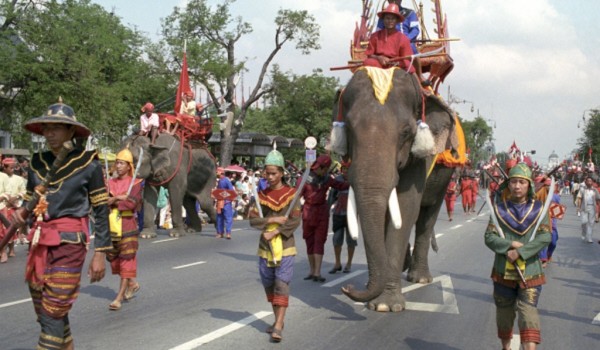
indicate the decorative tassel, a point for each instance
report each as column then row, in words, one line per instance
column 424, row 144
column 337, row 139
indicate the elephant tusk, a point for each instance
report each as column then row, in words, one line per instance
column 352, row 215
column 394, row 207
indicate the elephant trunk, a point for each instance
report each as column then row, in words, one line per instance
column 372, row 208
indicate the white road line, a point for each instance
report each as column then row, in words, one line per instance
column 195, row 343
column 439, row 235
column 515, row 342
column 236, row 229
column 188, row 265
column 347, row 276
column 15, row 303
column 471, row 220
column 455, row 227
column 596, row 319
column 483, row 214
column 165, row 240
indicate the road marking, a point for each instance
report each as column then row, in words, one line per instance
column 471, row 220
column 449, row 305
column 236, row 229
column 195, row 343
column 347, row 276
column 165, row 240
column 15, row 303
column 455, row 227
column 188, row 265
column 483, row 214
column 439, row 235
column 596, row 319
column 515, row 342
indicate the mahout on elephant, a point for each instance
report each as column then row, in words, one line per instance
column 391, row 134
column 188, row 173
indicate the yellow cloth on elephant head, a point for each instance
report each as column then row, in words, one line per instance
column 275, row 254
column 446, row 157
column 381, row 80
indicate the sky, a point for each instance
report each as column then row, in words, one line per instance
column 531, row 67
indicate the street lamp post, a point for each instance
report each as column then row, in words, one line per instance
column 454, row 99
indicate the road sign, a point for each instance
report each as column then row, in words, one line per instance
column 310, row 142
column 311, row 155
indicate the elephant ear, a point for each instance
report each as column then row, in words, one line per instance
column 440, row 119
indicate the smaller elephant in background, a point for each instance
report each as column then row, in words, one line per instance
column 188, row 174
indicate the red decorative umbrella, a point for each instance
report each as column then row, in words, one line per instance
column 235, row 169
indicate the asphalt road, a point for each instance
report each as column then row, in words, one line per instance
column 199, row 291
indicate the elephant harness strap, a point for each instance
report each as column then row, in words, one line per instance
column 179, row 158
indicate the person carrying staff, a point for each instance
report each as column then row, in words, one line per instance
column 55, row 263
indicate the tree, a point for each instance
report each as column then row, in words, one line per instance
column 591, row 138
column 76, row 50
column 477, row 134
column 211, row 36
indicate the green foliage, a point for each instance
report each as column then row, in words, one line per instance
column 477, row 134
column 299, row 106
column 591, row 137
column 77, row 50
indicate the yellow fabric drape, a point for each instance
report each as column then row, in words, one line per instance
column 447, row 158
column 275, row 255
column 115, row 222
column 381, row 79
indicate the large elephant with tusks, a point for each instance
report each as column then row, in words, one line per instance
column 391, row 139
column 188, row 174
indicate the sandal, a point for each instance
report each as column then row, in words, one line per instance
column 335, row 269
column 115, row 305
column 276, row 336
column 309, row 277
column 130, row 292
column 271, row 328
column 318, row 279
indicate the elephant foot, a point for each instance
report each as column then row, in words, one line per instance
column 147, row 234
column 388, row 301
column 176, row 234
column 419, row 276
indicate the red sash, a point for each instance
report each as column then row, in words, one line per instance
column 49, row 237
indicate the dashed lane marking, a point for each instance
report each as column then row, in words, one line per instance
column 515, row 342
column 471, row 220
column 596, row 319
column 455, row 227
column 165, row 240
column 438, row 235
column 195, row 343
column 188, row 265
column 15, row 303
column 236, row 229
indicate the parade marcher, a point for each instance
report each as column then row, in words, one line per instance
column 466, row 192
column 586, row 199
column 224, row 207
column 315, row 214
column 11, row 198
column 517, row 231
column 450, row 196
column 388, row 42
column 474, row 191
column 3, row 182
column 277, row 248
column 55, row 263
column 124, row 232
column 339, row 224
column 149, row 122
column 546, row 253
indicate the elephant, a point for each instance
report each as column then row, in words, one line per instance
column 388, row 175
column 191, row 181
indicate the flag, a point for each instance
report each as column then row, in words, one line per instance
column 184, row 84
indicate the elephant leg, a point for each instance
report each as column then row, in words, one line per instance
column 150, row 199
column 419, row 268
column 176, row 201
column 195, row 225
column 207, row 204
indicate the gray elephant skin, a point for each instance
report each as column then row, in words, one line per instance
column 379, row 141
column 160, row 167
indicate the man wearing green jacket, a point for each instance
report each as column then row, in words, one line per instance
column 516, row 238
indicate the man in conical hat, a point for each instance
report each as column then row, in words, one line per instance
column 277, row 247
column 517, row 232
column 62, row 230
column 123, row 226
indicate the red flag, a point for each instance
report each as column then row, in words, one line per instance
column 590, row 152
column 184, row 84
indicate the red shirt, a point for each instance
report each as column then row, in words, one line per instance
column 391, row 45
